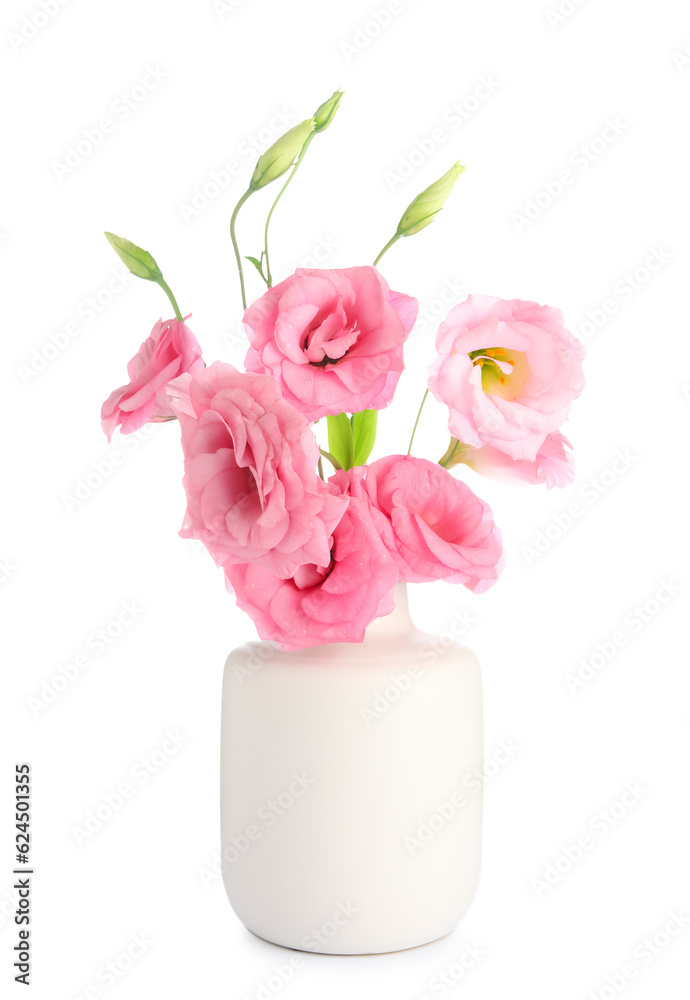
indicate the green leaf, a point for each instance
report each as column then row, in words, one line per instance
column 258, row 264
column 140, row 262
column 364, row 434
column 340, row 440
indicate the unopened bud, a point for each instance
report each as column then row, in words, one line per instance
column 326, row 112
column 279, row 157
column 429, row 203
column 140, row 262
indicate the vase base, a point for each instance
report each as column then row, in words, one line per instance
column 354, row 954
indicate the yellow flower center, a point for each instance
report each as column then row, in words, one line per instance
column 504, row 372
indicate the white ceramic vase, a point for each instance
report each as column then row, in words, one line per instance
column 350, row 805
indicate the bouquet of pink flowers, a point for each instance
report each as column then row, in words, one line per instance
column 314, row 558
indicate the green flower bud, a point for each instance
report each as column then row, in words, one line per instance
column 140, row 262
column 429, row 203
column 326, row 112
column 281, row 155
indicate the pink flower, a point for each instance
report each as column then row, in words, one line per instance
column 508, row 372
column 333, row 339
column 441, row 530
column 553, row 465
column 171, row 350
column 331, row 601
column 253, row 494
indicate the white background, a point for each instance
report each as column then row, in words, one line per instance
column 68, row 566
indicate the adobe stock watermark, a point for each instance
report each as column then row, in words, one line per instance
column 319, row 938
column 589, row 493
column 368, row 31
column 140, row 773
column 644, row 954
column 221, row 177
column 85, row 313
column 470, row 784
column 319, row 254
column 93, row 648
column 265, row 989
column 102, row 469
column 197, row 547
column 7, row 569
column 402, row 682
column 260, row 654
column 634, row 621
column 453, row 118
column 681, row 57
column 433, row 310
column 562, row 12
column 267, row 815
column 598, row 828
column 119, row 110
column 235, row 342
column 111, row 972
column 32, row 24
column 440, row 984
column 225, row 7
column 579, row 162
column 623, row 291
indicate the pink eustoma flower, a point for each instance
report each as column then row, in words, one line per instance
column 253, row 494
column 440, row 529
column 170, row 351
column 507, row 371
column 331, row 601
column 553, row 465
column 333, row 339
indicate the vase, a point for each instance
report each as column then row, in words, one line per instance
column 351, row 791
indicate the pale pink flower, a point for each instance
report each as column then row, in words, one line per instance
column 333, row 339
column 508, row 372
column 171, row 350
column 440, row 529
column 253, row 494
column 331, row 601
column 553, row 465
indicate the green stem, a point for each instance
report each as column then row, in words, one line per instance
column 388, row 245
column 414, row 429
column 164, row 285
column 233, row 219
column 334, row 462
column 303, row 150
column 321, row 468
